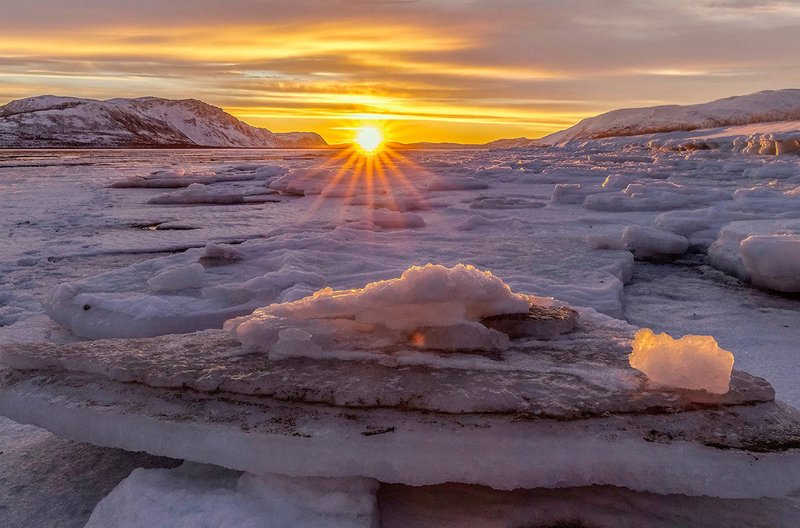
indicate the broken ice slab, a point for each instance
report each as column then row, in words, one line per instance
column 584, row 373
column 560, row 413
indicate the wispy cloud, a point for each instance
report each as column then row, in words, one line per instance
column 466, row 70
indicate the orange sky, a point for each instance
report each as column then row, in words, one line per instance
column 438, row 70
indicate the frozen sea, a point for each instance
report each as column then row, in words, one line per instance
column 565, row 223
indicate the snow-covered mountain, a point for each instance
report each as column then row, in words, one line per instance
column 760, row 107
column 51, row 121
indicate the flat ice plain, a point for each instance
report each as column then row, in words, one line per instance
column 556, row 222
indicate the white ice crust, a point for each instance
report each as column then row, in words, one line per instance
column 196, row 495
column 431, row 305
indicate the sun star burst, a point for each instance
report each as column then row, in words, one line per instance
column 369, row 139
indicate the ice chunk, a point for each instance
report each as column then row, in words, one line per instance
column 691, row 362
column 648, row 243
column 394, row 219
column 773, row 261
column 199, row 495
column 177, row 278
column 221, row 252
column 198, row 193
column 451, row 183
column 424, row 296
column 771, row 249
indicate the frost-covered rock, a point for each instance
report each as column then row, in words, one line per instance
column 691, row 362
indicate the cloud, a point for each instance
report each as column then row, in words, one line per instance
column 497, row 68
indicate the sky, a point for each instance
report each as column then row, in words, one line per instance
column 437, row 70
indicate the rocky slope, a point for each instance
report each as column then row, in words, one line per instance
column 64, row 122
column 759, row 107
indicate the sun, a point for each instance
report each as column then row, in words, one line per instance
column 368, row 139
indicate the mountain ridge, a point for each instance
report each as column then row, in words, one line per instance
column 50, row 121
column 759, row 107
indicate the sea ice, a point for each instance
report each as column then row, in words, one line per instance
column 773, row 261
column 397, row 309
column 194, row 495
column 198, row 193
column 764, row 252
column 691, row 362
column 394, row 219
column 177, row 278
column 648, row 243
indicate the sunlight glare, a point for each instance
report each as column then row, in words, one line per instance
column 369, row 139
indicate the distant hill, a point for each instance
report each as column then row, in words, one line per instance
column 68, row 122
column 760, row 107
column 496, row 144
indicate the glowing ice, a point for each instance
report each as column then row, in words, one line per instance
column 691, row 362
column 424, row 296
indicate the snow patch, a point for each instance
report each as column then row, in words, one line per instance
column 430, row 306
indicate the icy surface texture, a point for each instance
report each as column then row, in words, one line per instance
column 458, row 505
column 691, row 362
column 48, row 481
column 739, row 451
column 764, row 252
column 582, row 373
column 773, row 261
column 654, row 244
column 540, row 322
column 450, row 300
column 196, row 495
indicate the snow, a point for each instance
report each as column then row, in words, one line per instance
column 196, row 495
column 432, row 305
column 691, row 362
column 178, row 278
column 198, row 193
column 70, row 224
column 766, row 106
column 394, row 219
column 56, row 122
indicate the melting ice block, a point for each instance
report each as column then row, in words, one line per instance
column 432, row 305
column 691, row 362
